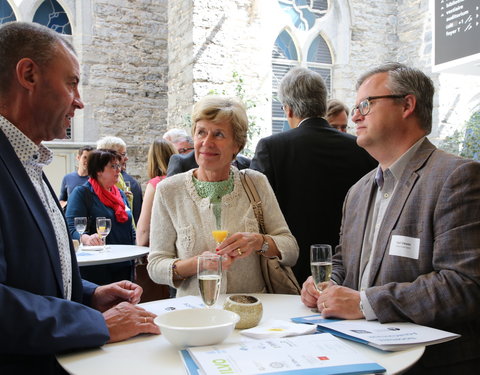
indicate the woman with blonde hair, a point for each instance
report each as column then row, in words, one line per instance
column 157, row 163
column 184, row 211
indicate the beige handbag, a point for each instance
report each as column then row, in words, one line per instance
column 279, row 279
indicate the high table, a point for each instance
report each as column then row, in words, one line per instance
column 113, row 254
column 154, row 355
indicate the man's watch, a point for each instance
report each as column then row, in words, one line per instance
column 265, row 246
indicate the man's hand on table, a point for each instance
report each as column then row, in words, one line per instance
column 117, row 303
column 309, row 293
column 107, row 296
column 334, row 301
column 126, row 320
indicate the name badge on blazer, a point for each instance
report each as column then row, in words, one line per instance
column 404, row 246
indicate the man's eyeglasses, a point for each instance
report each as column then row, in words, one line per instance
column 184, row 150
column 123, row 154
column 365, row 105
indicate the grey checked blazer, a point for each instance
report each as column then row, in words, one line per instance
column 438, row 201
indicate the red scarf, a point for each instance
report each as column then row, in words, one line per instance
column 112, row 199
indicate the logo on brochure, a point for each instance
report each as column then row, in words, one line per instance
column 323, row 358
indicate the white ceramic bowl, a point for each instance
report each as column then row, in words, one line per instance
column 197, row 327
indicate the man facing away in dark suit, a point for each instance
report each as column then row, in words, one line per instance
column 310, row 166
column 410, row 243
column 45, row 308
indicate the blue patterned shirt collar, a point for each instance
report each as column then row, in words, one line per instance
column 26, row 150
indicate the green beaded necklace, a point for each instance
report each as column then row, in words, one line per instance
column 215, row 191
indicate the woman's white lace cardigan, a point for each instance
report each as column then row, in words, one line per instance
column 182, row 223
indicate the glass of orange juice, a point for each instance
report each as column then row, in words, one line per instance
column 219, row 234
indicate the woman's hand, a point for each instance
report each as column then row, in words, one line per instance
column 93, row 240
column 226, row 260
column 240, row 245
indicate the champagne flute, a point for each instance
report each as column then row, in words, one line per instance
column 127, row 186
column 321, row 265
column 104, row 226
column 218, row 234
column 80, row 227
column 209, row 274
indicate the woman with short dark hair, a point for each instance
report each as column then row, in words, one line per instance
column 99, row 197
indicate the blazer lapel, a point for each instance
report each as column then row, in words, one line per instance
column 359, row 210
column 34, row 204
column 395, row 208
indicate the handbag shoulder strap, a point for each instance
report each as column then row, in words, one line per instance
column 254, row 198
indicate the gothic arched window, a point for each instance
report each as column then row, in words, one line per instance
column 6, row 12
column 316, row 56
column 319, row 59
column 51, row 14
column 284, row 57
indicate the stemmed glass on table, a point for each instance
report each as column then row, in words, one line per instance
column 80, row 227
column 104, row 225
column 209, row 274
column 321, row 265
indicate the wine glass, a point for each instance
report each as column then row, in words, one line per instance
column 103, row 229
column 209, row 274
column 218, row 234
column 127, row 186
column 80, row 227
column 321, row 265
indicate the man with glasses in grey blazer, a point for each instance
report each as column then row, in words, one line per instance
column 410, row 239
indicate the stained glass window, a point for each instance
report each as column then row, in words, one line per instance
column 319, row 59
column 284, row 57
column 6, row 12
column 304, row 13
column 51, row 14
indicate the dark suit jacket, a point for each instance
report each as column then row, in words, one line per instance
column 35, row 320
column 311, row 169
column 180, row 163
column 437, row 201
column 137, row 195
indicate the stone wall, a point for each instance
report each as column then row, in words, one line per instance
column 180, row 62
column 125, row 74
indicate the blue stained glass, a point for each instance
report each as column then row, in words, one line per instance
column 6, row 12
column 304, row 13
column 284, row 47
column 51, row 14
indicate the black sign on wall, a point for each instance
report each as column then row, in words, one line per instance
column 457, row 29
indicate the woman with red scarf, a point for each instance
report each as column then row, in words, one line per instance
column 99, row 197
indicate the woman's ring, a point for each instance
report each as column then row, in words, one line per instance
column 239, row 251
column 323, row 305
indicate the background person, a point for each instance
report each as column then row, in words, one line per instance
column 410, row 241
column 182, row 219
column 134, row 196
column 99, row 197
column 337, row 115
column 180, row 139
column 45, row 306
column 311, row 166
column 157, row 161
column 71, row 180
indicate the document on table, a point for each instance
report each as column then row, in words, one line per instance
column 384, row 336
column 300, row 355
column 170, row 304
